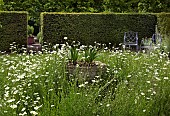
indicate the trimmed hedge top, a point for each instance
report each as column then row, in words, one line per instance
column 100, row 27
column 13, row 28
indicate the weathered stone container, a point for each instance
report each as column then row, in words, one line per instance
column 86, row 71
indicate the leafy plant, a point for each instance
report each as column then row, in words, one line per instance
column 30, row 30
column 167, row 44
column 73, row 54
column 40, row 37
column 90, row 54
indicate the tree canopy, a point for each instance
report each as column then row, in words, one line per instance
column 35, row 7
column 87, row 5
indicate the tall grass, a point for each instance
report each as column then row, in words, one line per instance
column 133, row 84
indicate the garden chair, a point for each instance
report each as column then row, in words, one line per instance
column 156, row 39
column 150, row 43
column 131, row 39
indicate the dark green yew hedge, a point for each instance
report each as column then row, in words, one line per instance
column 84, row 27
column 13, row 28
column 100, row 27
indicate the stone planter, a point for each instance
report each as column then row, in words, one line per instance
column 85, row 71
column 32, row 45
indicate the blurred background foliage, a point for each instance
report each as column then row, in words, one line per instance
column 35, row 7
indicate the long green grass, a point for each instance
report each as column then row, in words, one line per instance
column 134, row 84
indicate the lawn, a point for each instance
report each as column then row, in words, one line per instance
column 134, row 84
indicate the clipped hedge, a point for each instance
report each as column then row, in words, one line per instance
column 13, row 29
column 164, row 24
column 90, row 27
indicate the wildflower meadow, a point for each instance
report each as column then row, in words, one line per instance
column 39, row 84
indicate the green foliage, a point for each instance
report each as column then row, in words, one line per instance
column 14, row 29
column 167, row 44
column 135, row 84
column 101, row 27
column 73, row 54
column 30, row 30
column 40, row 37
column 153, row 6
column 164, row 28
column 1, row 5
column 35, row 7
column 90, row 54
column 164, row 23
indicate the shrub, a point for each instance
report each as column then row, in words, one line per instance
column 40, row 37
column 30, row 30
column 164, row 28
column 90, row 27
column 13, row 28
column 164, row 23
